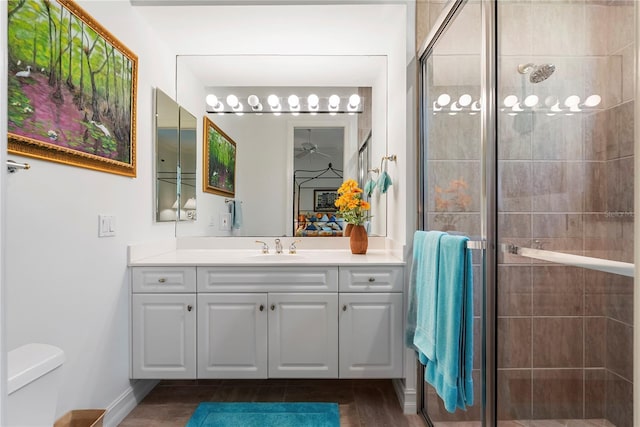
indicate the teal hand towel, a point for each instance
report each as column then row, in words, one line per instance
column 450, row 372
column 369, row 186
column 384, row 182
column 236, row 221
column 421, row 321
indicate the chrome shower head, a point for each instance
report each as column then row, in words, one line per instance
column 539, row 73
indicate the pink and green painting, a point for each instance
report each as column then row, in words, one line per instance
column 71, row 88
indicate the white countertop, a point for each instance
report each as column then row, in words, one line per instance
column 253, row 257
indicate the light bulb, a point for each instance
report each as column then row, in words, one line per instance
column 294, row 102
column 592, row 100
column 531, row 101
column 510, row 101
column 572, row 101
column 313, row 101
column 443, row 100
column 455, row 107
column 436, row 107
column 334, row 101
column 465, row 100
column 274, row 101
column 475, row 106
column 354, row 101
column 253, row 101
column 212, row 100
column 550, row 101
column 232, row 100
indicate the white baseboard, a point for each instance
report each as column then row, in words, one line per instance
column 129, row 399
column 406, row 397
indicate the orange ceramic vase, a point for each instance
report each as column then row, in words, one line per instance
column 358, row 241
column 347, row 230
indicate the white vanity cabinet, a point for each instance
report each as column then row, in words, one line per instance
column 294, row 335
column 371, row 320
column 232, row 335
column 269, row 321
column 163, row 323
column 303, row 335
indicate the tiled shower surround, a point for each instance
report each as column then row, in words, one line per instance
column 565, row 183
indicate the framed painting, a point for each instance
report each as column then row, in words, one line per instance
column 71, row 88
column 219, row 157
column 324, row 200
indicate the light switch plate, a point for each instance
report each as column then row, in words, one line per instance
column 106, row 225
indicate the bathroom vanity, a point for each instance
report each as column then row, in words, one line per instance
column 243, row 314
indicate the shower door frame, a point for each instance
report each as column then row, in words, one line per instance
column 488, row 199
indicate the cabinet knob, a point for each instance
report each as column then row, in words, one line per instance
column 261, row 307
column 372, row 279
column 273, row 307
column 162, row 280
column 344, row 307
column 189, row 307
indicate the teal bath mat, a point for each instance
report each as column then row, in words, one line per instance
column 277, row 414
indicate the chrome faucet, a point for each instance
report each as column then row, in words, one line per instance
column 278, row 246
column 265, row 247
column 292, row 247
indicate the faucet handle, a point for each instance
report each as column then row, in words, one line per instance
column 265, row 247
column 292, row 246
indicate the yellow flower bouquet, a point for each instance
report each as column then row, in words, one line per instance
column 350, row 204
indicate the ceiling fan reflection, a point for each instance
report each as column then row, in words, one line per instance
column 308, row 148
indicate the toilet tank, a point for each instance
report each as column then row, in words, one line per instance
column 33, row 383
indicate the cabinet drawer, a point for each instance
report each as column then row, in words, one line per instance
column 163, row 279
column 267, row 279
column 371, row 279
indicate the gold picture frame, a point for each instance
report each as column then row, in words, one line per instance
column 72, row 89
column 219, row 161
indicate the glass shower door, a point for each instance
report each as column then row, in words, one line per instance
column 565, row 186
column 451, row 168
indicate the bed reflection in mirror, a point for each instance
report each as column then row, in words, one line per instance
column 318, row 172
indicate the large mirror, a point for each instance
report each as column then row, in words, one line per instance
column 176, row 156
column 270, row 147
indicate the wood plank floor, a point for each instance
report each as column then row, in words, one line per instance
column 362, row 402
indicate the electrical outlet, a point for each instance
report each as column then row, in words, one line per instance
column 225, row 221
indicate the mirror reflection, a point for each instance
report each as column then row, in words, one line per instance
column 167, row 116
column 176, row 152
column 271, row 148
column 318, row 172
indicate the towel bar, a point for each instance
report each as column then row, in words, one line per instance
column 476, row 244
column 600, row 264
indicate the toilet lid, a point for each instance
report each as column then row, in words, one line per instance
column 31, row 361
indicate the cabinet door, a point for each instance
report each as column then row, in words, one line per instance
column 163, row 336
column 232, row 335
column 371, row 335
column 303, row 335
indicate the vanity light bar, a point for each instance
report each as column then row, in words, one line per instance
column 292, row 104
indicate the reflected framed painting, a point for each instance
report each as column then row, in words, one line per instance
column 71, row 88
column 219, row 157
column 325, row 200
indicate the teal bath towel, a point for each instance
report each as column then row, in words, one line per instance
column 369, row 186
column 450, row 371
column 421, row 313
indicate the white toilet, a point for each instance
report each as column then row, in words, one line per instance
column 33, row 383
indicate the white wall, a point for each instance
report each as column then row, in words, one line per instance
column 64, row 285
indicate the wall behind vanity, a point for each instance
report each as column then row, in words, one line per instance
column 67, row 287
